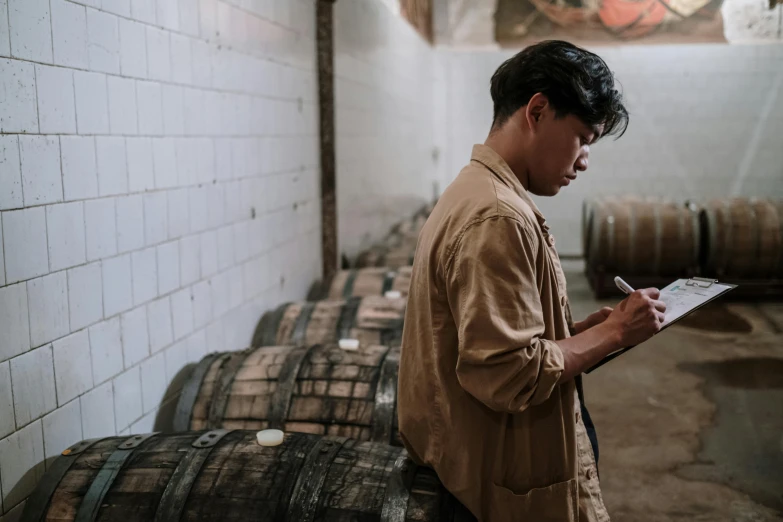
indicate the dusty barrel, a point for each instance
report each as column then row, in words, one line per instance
column 643, row 236
column 226, row 475
column 318, row 389
column 371, row 320
column 362, row 282
column 397, row 253
column 743, row 238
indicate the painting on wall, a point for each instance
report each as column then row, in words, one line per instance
column 607, row 21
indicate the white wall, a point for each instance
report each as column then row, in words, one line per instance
column 706, row 121
column 384, row 94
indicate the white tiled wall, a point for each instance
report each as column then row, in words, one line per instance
column 158, row 192
column 706, row 121
column 384, row 74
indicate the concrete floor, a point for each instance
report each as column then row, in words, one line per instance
column 690, row 423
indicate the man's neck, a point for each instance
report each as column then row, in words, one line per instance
column 506, row 145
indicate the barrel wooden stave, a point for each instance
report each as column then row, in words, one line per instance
column 306, row 478
column 333, row 392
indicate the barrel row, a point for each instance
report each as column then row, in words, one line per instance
column 226, row 475
column 361, row 282
column 734, row 237
column 397, row 249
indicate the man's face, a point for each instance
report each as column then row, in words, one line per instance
column 560, row 149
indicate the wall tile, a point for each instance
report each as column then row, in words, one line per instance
column 22, row 462
column 32, row 378
column 72, row 366
column 48, row 307
column 13, row 314
column 85, row 295
column 106, row 349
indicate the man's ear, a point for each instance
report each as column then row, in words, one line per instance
column 534, row 110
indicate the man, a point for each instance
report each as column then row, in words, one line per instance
column 489, row 370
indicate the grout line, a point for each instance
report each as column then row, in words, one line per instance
column 54, row 375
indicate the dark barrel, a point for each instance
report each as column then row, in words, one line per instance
column 371, row 320
column 362, row 282
column 226, row 475
column 743, row 238
column 318, row 389
column 635, row 236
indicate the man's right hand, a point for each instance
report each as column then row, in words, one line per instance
column 638, row 317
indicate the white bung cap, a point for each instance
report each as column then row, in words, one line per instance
column 392, row 294
column 270, row 437
column 349, row 344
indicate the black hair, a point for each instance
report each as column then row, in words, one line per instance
column 574, row 80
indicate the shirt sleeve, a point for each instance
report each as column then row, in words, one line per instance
column 494, row 297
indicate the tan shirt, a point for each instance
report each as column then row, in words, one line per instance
column 479, row 398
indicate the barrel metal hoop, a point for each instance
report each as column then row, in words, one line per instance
column 268, row 325
column 347, row 318
column 307, row 493
column 189, row 394
column 395, row 501
column 172, row 503
column 281, row 400
column 299, row 331
column 93, row 499
column 220, row 392
column 38, row 503
column 388, row 281
column 349, row 281
column 385, row 397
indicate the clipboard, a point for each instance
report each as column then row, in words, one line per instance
column 688, row 295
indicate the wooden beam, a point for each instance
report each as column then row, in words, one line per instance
column 324, row 23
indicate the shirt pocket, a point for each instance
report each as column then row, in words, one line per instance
column 558, row 502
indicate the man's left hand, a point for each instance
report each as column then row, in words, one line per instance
column 593, row 319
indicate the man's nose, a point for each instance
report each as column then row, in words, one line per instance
column 581, row 163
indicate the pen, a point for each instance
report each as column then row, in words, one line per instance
column 622, row 285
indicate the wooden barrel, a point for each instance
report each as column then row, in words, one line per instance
column 318, row 389
column 644, row 237
column 362, row 282
column 397, row 253
column 371, row 320
column 226, row 475
column 743, row 238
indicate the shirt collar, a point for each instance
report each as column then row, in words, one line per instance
column 492, row 160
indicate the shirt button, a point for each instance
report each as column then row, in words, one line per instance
column 590, row 473
column 551, row 240
column 576, row 416
column 563, row 301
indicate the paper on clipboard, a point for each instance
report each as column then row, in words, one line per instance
column 682, row 297
column 686, row 295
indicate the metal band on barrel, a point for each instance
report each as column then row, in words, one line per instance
column 347, row 318
column 385, row 398
column 307, row 493
column 281, row 400
column 38, row 503
column 388, row 281
column 395, row 502
column 172, row 503
column 222, row 388
column 189, row 394
column 266, row 331
column 93, row 499
column 299, row 331
column 349, row 281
